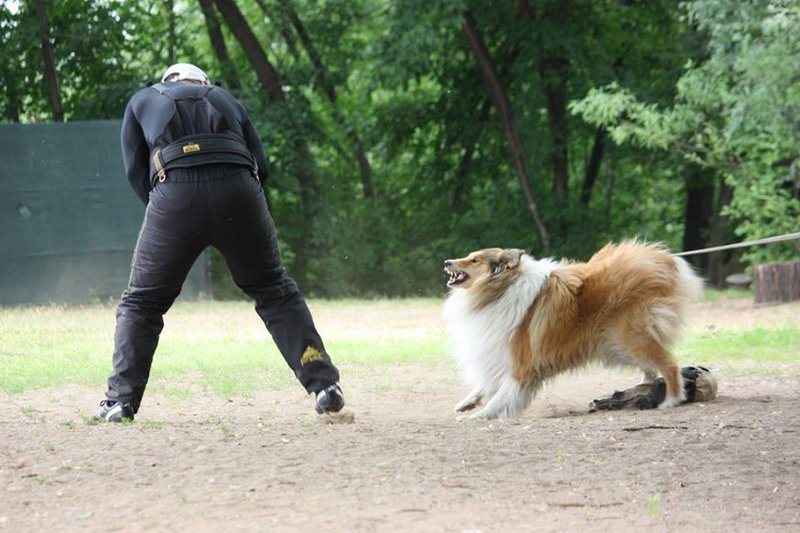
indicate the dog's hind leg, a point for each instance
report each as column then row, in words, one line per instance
column 647, row 348
column 510, row 401
column 649, row 374
column 672, row 375
column 471, row 400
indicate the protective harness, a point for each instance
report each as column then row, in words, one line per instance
column 202, row 148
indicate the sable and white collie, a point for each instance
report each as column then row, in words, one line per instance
column 516, row 321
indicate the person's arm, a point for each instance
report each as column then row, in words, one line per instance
column 135, row 155
column 253, row 142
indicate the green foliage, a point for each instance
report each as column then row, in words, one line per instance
column 628, row 119
column 713, row 84
column 737, row 113
column 98, row 63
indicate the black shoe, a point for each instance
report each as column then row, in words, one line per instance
column 113, row 411
column 330, row 399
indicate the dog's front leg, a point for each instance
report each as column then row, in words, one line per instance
column 509, row 402
column 470, row 401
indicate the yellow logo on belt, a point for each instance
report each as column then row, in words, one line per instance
column 189, row 148
column 309, row 355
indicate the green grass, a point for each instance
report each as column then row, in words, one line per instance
column 713, row 295
column 51, row 345
column 223, row 348
column 775, row 345
column 757, row 351
column 654, row 504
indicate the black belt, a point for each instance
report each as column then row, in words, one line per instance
column 202, row 149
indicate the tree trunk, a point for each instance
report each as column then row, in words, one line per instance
column 717, row 261
column 49, row 63
column 698, row 214
column 500, row 101
column 266, row 73
column 13, row 103
column 330, row 91
column 171, row 38
column 288, row 36
column 304, row 163
column 460, row 180
column 554, row 88
column 218, row 44
column 593, row 165
column 609, row 199
column 777, row 282
column 553, row 70
column 525, row 9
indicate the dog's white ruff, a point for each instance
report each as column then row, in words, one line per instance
column 481, row 340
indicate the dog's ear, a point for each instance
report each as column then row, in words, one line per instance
column 506, row 260
column 511, row 258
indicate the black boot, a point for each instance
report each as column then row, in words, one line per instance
column 330, row 399
column 113, row 411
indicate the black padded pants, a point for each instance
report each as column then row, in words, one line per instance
column 224, row 207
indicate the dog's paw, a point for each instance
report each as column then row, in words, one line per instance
column 670, row 402
column 466, row 405
column 483, row 414
column 470, row 401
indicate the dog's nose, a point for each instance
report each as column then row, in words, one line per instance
column 448, row 263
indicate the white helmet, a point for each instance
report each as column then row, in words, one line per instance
column 185, row 71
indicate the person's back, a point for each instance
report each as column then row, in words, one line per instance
column 169, row 112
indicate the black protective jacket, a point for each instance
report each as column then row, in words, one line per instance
column 153, row 119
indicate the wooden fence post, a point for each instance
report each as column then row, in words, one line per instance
column 776, row 282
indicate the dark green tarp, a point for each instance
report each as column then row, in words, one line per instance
column 68, row 218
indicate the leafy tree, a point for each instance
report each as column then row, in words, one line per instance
column 401, row 133
column 102, row 51
column 49, row 62
column 429, row 75
column 735, row 114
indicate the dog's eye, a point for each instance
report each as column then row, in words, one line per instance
column 476, row 261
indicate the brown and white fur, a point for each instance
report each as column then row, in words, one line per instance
column 516, row 321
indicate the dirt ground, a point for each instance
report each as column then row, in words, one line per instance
column 268, row 463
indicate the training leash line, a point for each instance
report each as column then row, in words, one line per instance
column 766, row 240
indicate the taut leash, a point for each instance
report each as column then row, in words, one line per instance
column 766, row 240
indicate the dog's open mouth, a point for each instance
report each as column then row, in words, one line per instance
column 456, row 278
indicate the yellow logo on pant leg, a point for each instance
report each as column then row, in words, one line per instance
column 309, row 355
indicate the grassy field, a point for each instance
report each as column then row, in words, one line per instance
column 758, row 352
column 223, row 348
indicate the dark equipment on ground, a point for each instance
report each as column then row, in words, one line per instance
column 699, row 385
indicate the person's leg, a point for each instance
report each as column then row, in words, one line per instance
column 166, row 248
column 245, row 235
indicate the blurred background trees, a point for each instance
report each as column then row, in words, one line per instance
column 402, row 133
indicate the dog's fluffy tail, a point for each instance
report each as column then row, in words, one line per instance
column 690, row 285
